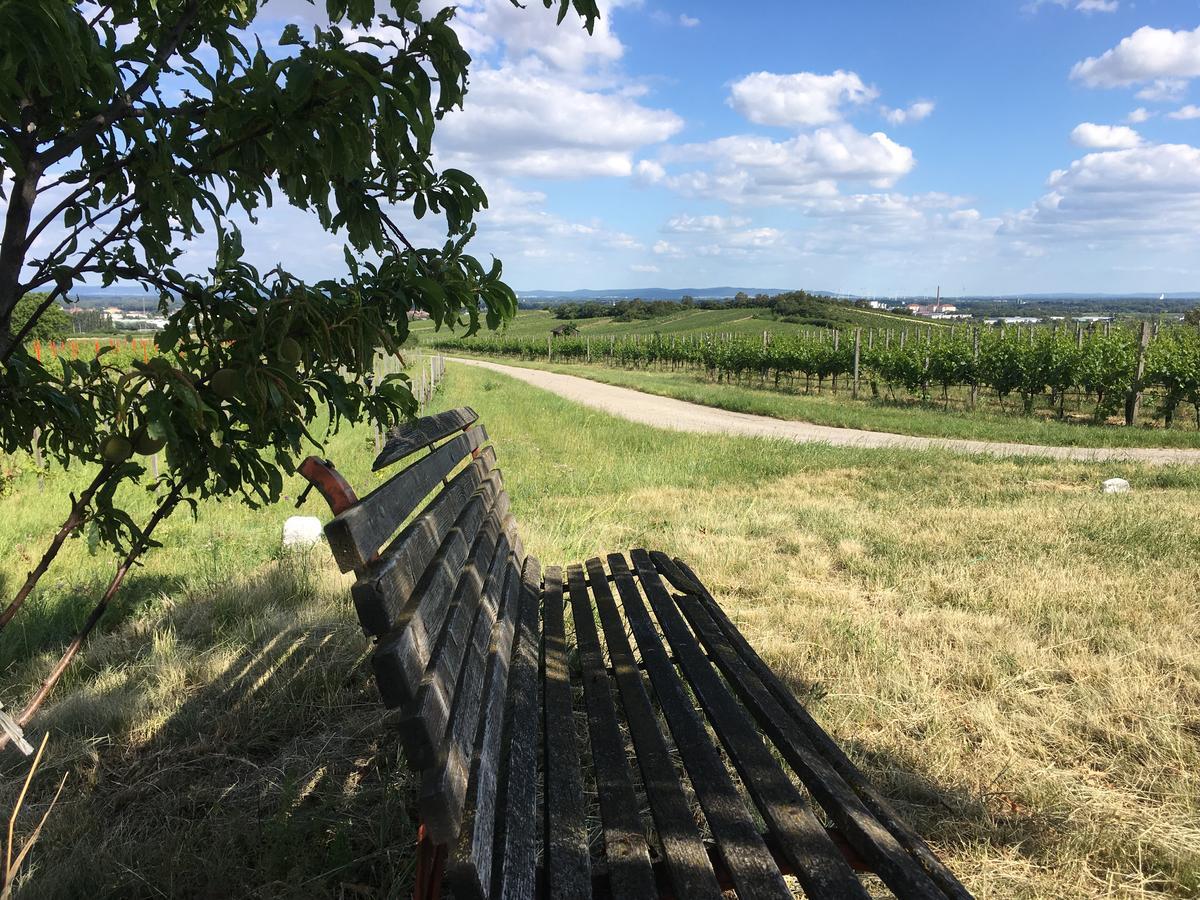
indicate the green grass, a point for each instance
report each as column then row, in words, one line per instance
column 900, row 417
column 1008, row 653
column 540, row 322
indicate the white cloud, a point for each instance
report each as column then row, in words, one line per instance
column 1084, row 6
column 1191, row 111
column 758, row 170
column 492, row 26
column 642, row 267
column 666, row 248
column 915, row 112
column 1163, row 90
column 1152, row 192
column 685, row 224
column 1139, row 115
column 798, row 100
column 1147, row 54
column 522, row 122
column 688, row 21
column 1105, row 137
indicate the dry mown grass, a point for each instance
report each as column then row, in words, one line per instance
column 1010, row 654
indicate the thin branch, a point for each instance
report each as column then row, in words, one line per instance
column 165, row 508
column 75, row 518
column 123, row 105
column 41, row 276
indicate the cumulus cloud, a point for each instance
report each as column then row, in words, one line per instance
column 1163, row 90
column 685, row 224
column 1105, row 137
column 798, row 100
column 688, row 21
column 1191, row 111
column 499, row 26
column 1150, row 191
column 915, row 112
column 1084, row 6
column 1138, row 116
column 759, row 170
column 522, row 122
column 1147, row 54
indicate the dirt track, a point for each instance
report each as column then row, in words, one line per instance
column 679, row 415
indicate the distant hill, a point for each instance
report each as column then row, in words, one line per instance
column 709, row 293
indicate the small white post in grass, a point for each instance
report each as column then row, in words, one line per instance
column 10, row 727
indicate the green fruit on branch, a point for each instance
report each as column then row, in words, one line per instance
column 116, row 449
column 144, row 445
column 290, row 351
column 226, row 383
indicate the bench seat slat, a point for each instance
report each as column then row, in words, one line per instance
column 384, row 587
column 874, row 843
column 818, row 863
column 687, row 862
column 742, row 848
column 477, row 839
column 626, row 851
column 356, row 535
column 423, row 724
column 445, row 786
column 400, row 658
column 406, row 439
column 518, row 840
column 825, row 745
column 568, row 864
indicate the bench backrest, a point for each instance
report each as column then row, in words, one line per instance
column 440, row 579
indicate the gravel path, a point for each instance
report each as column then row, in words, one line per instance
column 679, row 415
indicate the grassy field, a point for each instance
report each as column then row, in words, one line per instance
column 901, row 417
column 540, row 322
column 1009, row 653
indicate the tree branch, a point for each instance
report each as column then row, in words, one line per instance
column 165, row 508
column 75, row 518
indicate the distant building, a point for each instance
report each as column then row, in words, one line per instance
column 933, row 310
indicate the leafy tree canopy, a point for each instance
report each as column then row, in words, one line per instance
column 130, row 130
column 52, row 325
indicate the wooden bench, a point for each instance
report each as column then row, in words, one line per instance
column 602, row 730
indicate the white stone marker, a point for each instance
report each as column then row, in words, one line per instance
column 1115, row 486
column 301, row 531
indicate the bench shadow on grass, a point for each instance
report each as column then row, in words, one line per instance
column 276, row 778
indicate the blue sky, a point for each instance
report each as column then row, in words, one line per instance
column 989, row 146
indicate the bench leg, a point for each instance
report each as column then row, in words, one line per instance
column 431, row 863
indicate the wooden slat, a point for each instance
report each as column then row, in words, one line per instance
column 741, row 846
column 404, row 440
column 516, row 868
column 356, row 535
column 386, row 586
column 873, row 843
column 423, row 724
column 444, row 787
column 477, row 838
column 818, row 863
column 568, row 864
column 626, row 854
column 400, row 658
column 684, row 854
column 826, row 746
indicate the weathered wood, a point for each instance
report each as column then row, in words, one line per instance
column 385, row 586
column 444, row 788
column 819, row 864
column 402, row 655
column 626, row 852
column 423, row 724
column 827, row 747
column 356, row 535
column 515, row 868
column 741, row 846
column 404, row 440
column 874, row 843
column 568, row 865
column 686, row 858
column 477, row 838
